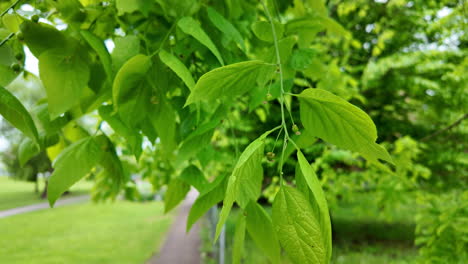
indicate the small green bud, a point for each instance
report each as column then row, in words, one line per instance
column 295, row 128
column 35, row 18
column 269, row 96
column 16, row 67
column 270, row 155
column 19, row 56
column 154, row 100
column 20, row 36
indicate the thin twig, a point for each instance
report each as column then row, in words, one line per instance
column 7, row 39
column 10, row 7
column 281, row 100
column 438, row 132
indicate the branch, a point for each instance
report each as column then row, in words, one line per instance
column 10, row 7
column 7, row 39
column 438, row 132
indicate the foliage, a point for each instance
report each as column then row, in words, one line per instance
column 442, row 228
column 210, row 85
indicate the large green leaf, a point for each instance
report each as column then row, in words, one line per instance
column 192, row 27
column 336, row 121
column 262, row 29
column 125, row 48
column 212, row 195
column 75, row 162
column 163, row 118
column 245, row 182
column 196, row 141
column 226, row 27
column 40, row 37
column 132, row 137
column 193, row 176
column 15, row 113
column 260, row 228
column 129, row 78
column 239, row 238
column 65, row 75
column 298, row 231
column 178, row 67
column 98, row 46
column 130, row 6
column 26, row 150
column 112, row 176
column 176, row 192
column 315, row 187
column 228, row 81
column 131, row 91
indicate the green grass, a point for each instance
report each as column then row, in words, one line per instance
column 121, row 232
column 19, row 193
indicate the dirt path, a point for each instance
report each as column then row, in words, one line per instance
column 41, row 206
column 180, row 247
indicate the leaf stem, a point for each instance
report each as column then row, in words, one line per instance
column 281, row 99
column 7, row 39
column 165, row 38
column 10, row 7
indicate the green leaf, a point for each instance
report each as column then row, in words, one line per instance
column 338, row 122
column 27, row 150
column 129, row 78
column 125, row 48
column 196, row 141
column 12, row 22
column 315, row 187
column 262, row 29
column 245, row 182
column 130, row 6
column 40, row 37
column 75, row 162
column 192, row 27
column 285, row 47
column 226, row 27
column 228, row 81
column 176, row 192
column 50, row 126
column 65, row 75
column 133, row 138
column 213, row 194
column 15, row 113
column 178, row 67
column 239, row 238
column 193, row 176
column 113, row 174
column 298, row 231
column 163, row 118
column 98, row 46
column 260, row 228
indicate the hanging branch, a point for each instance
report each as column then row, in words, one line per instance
column 438, row 132
column 10, row 7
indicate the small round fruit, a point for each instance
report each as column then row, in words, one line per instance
column 19, row 56
column 269, row 96
column 270, row 155
column 295, row 128
column 20, row 36
column 35, row 18
column 16, row 67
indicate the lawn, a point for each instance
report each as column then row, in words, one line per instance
column 19, row 193
column 120, row 232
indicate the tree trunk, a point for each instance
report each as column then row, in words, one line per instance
column 44, row 192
